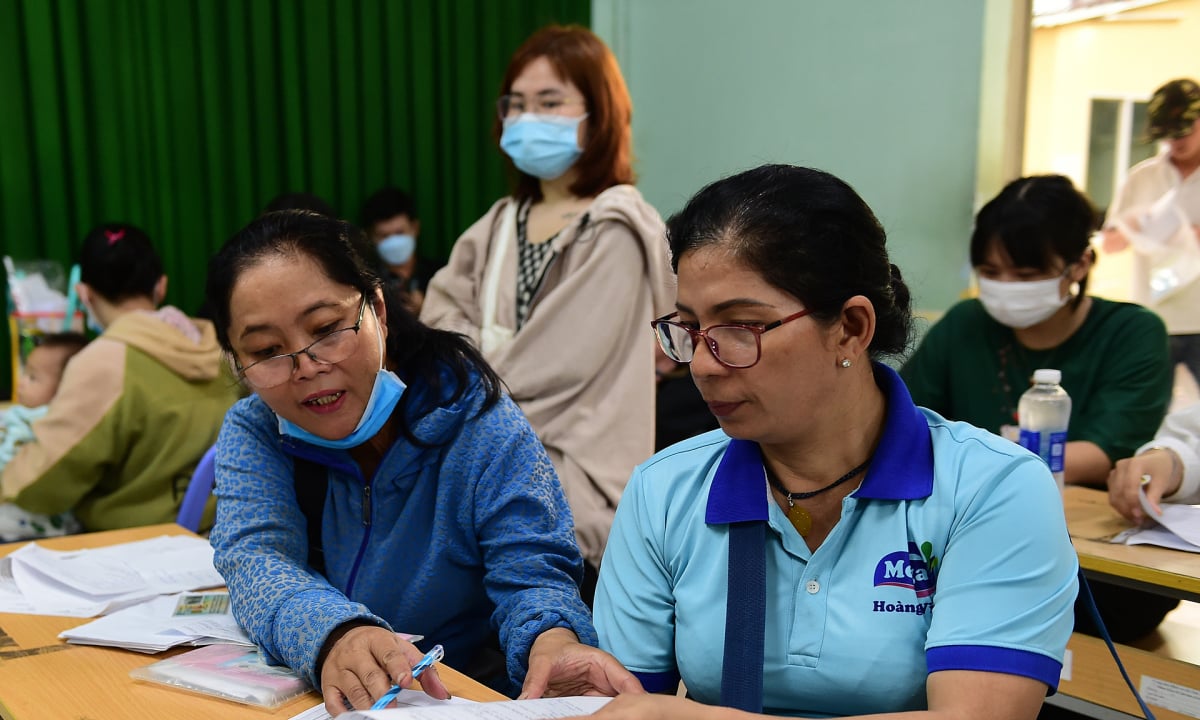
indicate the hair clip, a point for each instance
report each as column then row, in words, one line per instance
column 114, row 235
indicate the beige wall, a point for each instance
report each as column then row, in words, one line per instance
column 1071, row 64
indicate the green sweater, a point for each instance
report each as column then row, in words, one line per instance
column 1115, row 367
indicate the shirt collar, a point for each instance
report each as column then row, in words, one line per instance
column 902, row 468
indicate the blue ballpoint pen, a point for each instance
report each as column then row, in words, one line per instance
column 434, row 655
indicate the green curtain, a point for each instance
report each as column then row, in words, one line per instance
column 186, row 116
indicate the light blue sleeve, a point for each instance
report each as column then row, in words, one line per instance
column 260, row 544
column 635, row 603
column 1007, row 582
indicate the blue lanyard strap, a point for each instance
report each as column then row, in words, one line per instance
column 745, row 617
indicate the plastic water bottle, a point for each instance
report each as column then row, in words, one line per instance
column 1043, row 412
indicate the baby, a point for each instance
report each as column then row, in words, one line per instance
column 38, row 383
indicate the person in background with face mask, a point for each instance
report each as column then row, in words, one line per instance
column 1030, row 249
column 389, row 218
column 555, row 283
column 379, row 480
column 136, row 409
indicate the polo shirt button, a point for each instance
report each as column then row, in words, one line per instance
column 813, row 587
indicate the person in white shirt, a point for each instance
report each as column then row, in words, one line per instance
column 1171, row 462
column 1173, row 116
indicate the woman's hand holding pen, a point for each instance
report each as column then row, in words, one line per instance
column 560, row 665
column 1155, row 470
column 362, row 664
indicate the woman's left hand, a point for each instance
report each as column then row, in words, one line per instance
column 560, row 665
column 652, row 707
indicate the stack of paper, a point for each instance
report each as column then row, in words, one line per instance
column 505, row 710
column 416, row 705
column 86, row 583
column 164, row 622
column 1176, row 527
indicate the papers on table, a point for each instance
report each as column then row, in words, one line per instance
column 505, row 710
column 1176, row 527
column 406, row 699
column 86, row 583
column 164, row 622
column 416, row 705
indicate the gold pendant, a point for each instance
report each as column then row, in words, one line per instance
column 800, row 518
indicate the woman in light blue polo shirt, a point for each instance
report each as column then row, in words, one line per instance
column 883, row 558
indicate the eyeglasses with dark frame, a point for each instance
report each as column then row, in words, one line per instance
column 328, row 349
column 734, row 345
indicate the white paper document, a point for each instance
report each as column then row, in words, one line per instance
column 508, row 710
column 86, row 583
column 406, row 699
column 163, row 622
column 1163, row 218
column 1176, row 527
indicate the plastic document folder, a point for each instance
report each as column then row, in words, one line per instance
column 230, row 672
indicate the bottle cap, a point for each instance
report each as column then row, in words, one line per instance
column 1047, row 375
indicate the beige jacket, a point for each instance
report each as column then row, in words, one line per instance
column 582, row 366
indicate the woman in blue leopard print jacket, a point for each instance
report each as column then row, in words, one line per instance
column 442, row 516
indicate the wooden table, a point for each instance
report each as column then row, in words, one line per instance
column 1092, row 522
column 1091, row 682
column 42, row 677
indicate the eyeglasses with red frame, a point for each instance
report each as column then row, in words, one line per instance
column 734, row 345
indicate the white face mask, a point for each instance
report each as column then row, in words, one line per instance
column 1021, row 304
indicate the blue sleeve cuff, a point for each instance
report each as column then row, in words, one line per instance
column 518, row 639
column 658, row 681
column 986, row 658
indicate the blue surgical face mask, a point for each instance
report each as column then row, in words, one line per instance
column 384, row 398
column 544, row 146
column 385, row 395
column 396, row 249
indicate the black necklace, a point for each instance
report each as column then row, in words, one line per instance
column 798, row 516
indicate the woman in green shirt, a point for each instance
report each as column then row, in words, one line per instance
column 1031, row 252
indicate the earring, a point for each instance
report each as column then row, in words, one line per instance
column 846, row 362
